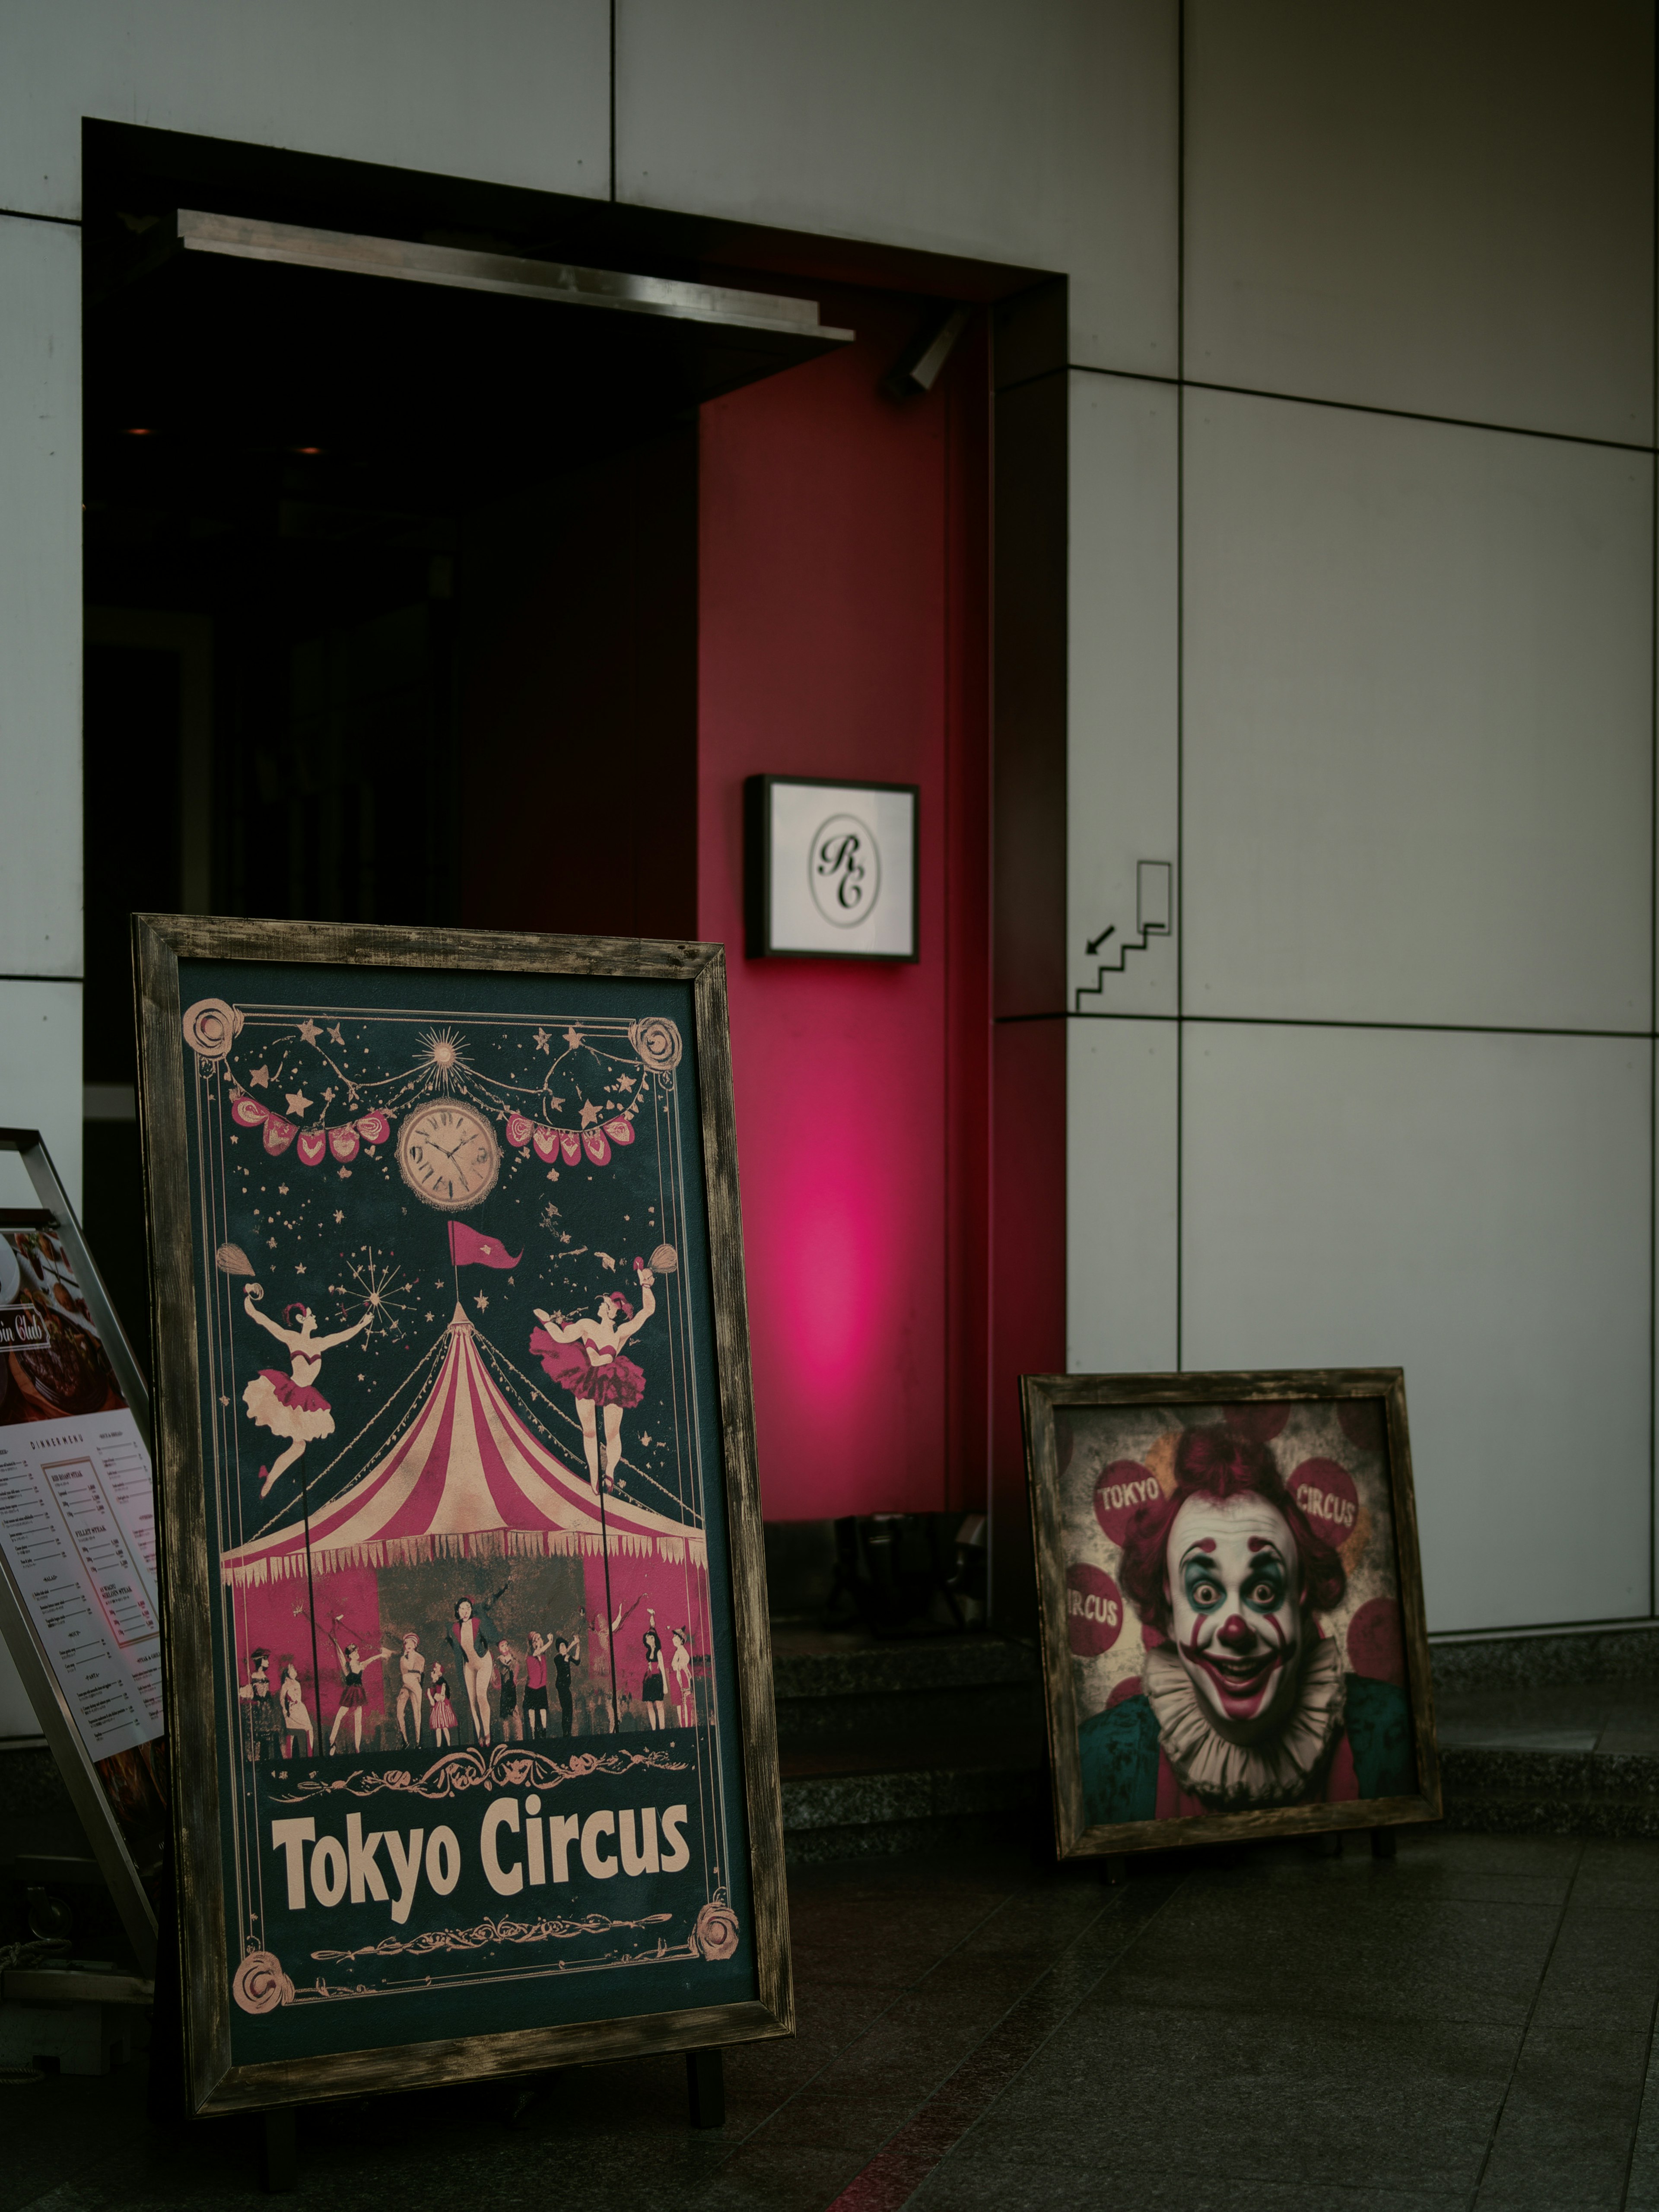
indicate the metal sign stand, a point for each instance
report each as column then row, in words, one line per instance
column 28, row 1654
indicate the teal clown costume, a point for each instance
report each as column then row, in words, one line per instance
column 1244, row 1705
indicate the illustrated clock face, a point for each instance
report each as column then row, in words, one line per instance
column 449, row 1156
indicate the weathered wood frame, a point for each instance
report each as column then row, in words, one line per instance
column 213, row 2083
column 1041, row 1396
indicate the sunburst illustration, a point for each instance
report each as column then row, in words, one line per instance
column 377, row 1287
column 442, row 1058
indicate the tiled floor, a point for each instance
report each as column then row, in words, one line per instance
column 1469, row 2026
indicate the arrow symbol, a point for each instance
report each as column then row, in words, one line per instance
column 1095, row 943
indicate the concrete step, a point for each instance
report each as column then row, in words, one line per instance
column 927, row 1742
column 847, row 1688
column 833, row 1808
column 1551, row 1793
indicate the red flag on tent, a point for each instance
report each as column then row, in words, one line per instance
column 467, row 1246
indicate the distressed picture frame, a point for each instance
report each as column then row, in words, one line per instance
column 446, row 1525
column 1233, row 1635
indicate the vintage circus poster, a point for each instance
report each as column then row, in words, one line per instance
column 478, row 1757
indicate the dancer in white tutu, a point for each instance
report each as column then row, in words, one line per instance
column 290, row 1405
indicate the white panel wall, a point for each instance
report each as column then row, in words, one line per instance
column 39, row 599
column 1445, row 209
column 40, row 1072
column 1419, row 721
column 1043, row 135
column 1121, row 1186
column 1123, row 685
column 1475, row 1210
column 512, row 91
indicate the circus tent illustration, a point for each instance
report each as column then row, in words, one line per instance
column 465, row 1478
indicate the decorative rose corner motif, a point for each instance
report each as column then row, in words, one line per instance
column 260, row 1984
column 210, row 1027
column 717, row 1930
column 657, row 1042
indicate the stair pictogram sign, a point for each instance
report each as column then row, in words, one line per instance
column 1154, row 912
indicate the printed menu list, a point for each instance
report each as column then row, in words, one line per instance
column 77, row 1532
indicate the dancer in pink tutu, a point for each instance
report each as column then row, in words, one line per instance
column 290, row 1405
column 585, row 1358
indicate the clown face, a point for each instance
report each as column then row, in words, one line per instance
column 1235, row 1592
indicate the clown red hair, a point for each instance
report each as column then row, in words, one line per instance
column 1218, row 1463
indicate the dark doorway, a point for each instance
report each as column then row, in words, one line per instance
column 391, row 587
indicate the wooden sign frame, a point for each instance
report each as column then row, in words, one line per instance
column 672, row 996
column 1080, row 1534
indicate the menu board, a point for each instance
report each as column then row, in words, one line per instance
column 78, row 1513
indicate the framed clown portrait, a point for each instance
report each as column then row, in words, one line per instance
column 463, row 1595
column 1232, row 1626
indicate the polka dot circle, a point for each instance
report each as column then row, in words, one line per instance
column 1120, row 1490
column 1094, row 1608
column 1326, row 1494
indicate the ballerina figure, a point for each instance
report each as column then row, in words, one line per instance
column 585, row 1358
column 353, row 1695
column 290, row 1405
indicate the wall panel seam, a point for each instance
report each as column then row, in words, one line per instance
column 1347, row 407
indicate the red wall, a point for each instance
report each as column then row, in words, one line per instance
column 842, row 632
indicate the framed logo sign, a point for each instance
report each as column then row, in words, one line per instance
column 1233, row 1634
column 831, row 869
column 463, row 1607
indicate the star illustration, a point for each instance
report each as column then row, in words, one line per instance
column 281, row 1190
column 224, row 1401
column 345, row 1176
column 429, row 1316
column 338, row 1216
column 234, row 1139
column 482, row 1303
column 301, row 1268
column 308, row 1030
column 260, row 1078
column 573, row 1038
column 334, row 1036
column 329, row 1096
column 298, row 1104
column 552, row 1175
column 543, row 1042
column 590, row 1115
column 624, row 1083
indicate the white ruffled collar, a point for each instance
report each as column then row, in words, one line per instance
column 1231, row 1777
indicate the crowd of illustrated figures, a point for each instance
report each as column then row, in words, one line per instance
column 480, row 1685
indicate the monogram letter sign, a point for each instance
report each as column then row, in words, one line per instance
column 831, row 868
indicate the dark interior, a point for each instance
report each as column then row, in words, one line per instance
column 391, row 587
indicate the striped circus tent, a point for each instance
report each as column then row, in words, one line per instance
column 465, row 1480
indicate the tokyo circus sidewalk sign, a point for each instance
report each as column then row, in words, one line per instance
column 463, row 1595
